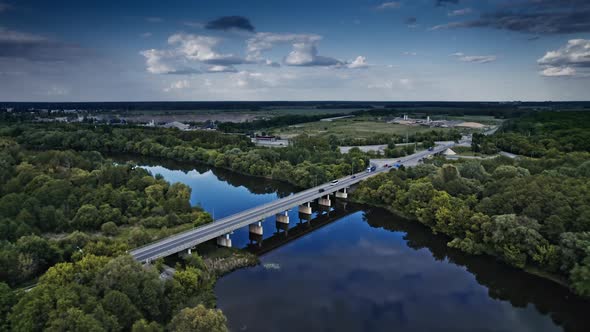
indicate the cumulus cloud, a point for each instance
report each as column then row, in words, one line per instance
column 202, row 48
column 389, row 5
column 534, row 16
column 166, row 62
column 564, row 61
column 306, row 54
column 221, row 69
column 230, row 22
column 460, row 12
column 26, row 46
column 359, row 62
column 475, row 58
column 189, row 50
column 558, row 71
column 304, row 49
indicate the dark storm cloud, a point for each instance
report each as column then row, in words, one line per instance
column 230, row 22
column 446, row 2
column 19, row 45
column 534, row 16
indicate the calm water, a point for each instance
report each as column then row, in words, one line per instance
column 364, row 269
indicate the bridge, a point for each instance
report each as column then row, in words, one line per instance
column 222, row 228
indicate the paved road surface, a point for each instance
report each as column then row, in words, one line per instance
column 191, row 238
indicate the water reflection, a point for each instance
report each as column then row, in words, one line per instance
column 364, row 269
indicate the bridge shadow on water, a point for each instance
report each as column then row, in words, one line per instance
column 307, row 224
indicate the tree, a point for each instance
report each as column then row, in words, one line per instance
column 109, row 228
column 580, row 277
column 143, row 326
column 198, row 319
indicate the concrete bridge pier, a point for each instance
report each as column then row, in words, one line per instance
column 256, row 232
column 224, row 241
column 283, row 221
column 325, row 201
column 305, row 208
column 256, row 228
column 342, row 194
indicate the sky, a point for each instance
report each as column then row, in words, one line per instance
column 198, row 50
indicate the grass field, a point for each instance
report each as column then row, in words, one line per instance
column 356, row 128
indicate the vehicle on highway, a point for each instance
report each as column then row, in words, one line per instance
column 333, row 182
column 373, row 168
column 322, row 190
column 399, row 161
column 431, row 148
column 354, row 176
column 386, row 165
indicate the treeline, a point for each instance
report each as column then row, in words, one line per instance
column 428, row 137
column 97, row 293
column 543, row 133
column 531, row 213
column 308, row 161
column 100, row 208
column 277, row 121
column 69, row 217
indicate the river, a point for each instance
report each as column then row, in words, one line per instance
column 365, row 269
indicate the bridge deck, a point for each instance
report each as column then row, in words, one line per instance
column 188, row 239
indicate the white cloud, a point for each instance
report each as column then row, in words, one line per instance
column 460, row 12
column 359, row 62
column 221, row 69
column 564, row 61
column 178, row 85
column 475, row 58
column 410, row 53
column 146, row 35
column 389, row 5
column 165, row 62
column 201, row 48
column 304, row 49
column 558, row 71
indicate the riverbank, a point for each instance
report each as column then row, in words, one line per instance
column 222, row 261
column 532, row 270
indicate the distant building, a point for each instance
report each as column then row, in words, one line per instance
column 177, row 125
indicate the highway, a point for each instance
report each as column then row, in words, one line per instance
column 188, row 239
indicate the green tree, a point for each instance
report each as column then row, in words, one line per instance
column 198, row 319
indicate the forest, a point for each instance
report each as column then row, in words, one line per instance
column 68, row 214
column 66, row 221
column 532, row 213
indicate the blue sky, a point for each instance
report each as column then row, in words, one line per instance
column 304, row 50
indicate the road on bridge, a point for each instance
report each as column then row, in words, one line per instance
column 188, row 239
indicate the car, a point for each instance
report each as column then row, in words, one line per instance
column 386, row 165
column 333, row 183
column 354, row 176
column 399, row 161
column 322, row 190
